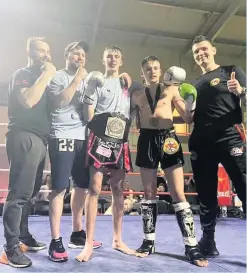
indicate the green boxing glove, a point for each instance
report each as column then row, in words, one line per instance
column 189, row 94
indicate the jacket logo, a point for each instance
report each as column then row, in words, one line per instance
column 215, row 82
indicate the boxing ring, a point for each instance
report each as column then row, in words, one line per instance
column 169, row 255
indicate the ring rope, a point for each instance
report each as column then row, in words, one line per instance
column 130, row 173
column 130, row 192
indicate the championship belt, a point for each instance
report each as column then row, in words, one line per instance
column 171, row 145
column 103, row 153
column 115, row 127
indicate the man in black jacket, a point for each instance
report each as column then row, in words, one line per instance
column 218, row 135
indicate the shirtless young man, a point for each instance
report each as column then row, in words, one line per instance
column 158, row 143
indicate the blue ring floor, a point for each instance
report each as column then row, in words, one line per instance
column 169, row 256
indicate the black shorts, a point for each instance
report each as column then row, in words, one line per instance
column 67, row 157
column 158, row 146
column 108, row 154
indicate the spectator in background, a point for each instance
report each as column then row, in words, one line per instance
column 163, row 187
column 190, row 187
column 129, row 202
column 131, row 196
column 106, row 188
column 106, row 197
column 126, row 186
column 41, row 201
column 46, row 186
column 106, row 180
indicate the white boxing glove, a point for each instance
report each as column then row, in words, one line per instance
column 174, row 76
column 93, row 80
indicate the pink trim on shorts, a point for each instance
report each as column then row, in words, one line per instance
column 97, row 164
column 127, row 157
column 90, row 139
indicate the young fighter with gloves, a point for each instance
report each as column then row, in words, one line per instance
column 108, row 150
column 158, row 143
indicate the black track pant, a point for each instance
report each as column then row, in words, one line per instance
column 207, row 151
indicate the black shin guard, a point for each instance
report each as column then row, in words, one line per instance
column 186, row 222
column 149, row 217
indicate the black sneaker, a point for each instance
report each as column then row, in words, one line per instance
column 208, row 247
column 56, row 251
column 16, row 258
column 31, row 244
column 193, row 253
column 146, row 247
column 78, row 240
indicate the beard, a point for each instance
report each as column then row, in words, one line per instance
column 74, row 66
column 45, row 59
column 40, row 61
